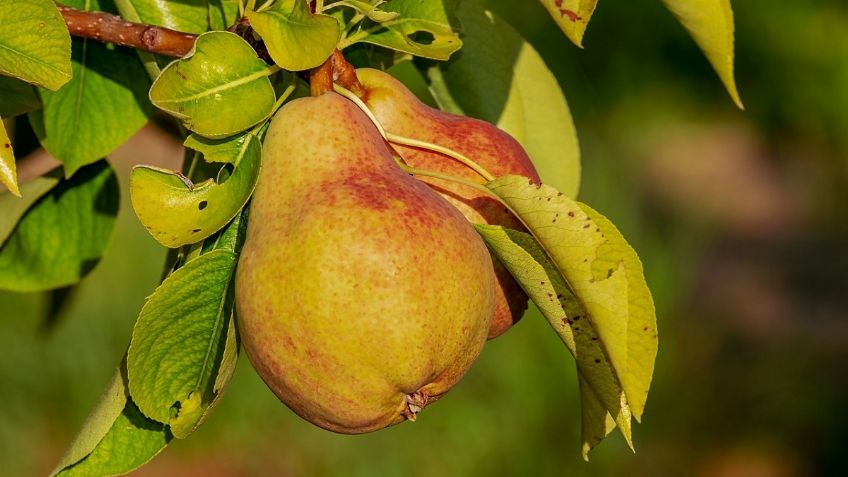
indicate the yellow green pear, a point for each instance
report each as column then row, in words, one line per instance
column 401, row 113
column 361, row 294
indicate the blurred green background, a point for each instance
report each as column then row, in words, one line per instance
column 739, row 218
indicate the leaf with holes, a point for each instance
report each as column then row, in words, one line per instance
column 572, row 16
column 219, row 89
column 177, row 212
column 62, row 236
column 296, row 39
column 34, row 43
column 421, row 28
column 116, row 438
column 8, row 172
column 710, row 22
column 540, row 278
column 500, row 78
column 181, row 354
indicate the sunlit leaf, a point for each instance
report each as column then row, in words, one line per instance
column 177, row 212
column 184, row 347
column 710, row 22
column 220, row 88
column 572, row 16
column 116, row 438
column 568, row 314
column 422, row 29
column 296, row 39
column 63, row 235
column 99, row 109
column 499, row 77
column 34, row 43
column 190, row 16
column 596, row 422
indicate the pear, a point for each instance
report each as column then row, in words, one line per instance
column 361, row 294
column 401, row 113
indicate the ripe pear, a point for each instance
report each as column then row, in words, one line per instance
column 401, row 113
column 361, row 294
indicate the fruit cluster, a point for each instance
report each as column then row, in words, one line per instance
column 364, row 293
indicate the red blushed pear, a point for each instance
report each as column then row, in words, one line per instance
column 361, row 294
column 402, row 114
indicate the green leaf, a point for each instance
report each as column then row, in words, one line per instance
column 34, row 43
column 219, row 89
column 8, row 172
column 500, row 78
column 642, row 338
column 63, row 235
column 371, row 11
column 190, row 16
column 17, row 97
column 572, row 16
column 180, row 339
column 177, row 212
column 98, row 110
column 710, row 22
column 222, row 14
column 568, row 314
column 296, row 39
column 596, row 422
column 14, row 207
column 116, row 438
column 422, row 29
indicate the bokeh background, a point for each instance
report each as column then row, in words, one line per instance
column 739, row 217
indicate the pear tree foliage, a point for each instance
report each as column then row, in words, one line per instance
column 84, row 98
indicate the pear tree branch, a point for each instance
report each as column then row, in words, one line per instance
column 110, row 28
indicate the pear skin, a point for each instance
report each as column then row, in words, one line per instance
column 361, row 294
column 401, row 113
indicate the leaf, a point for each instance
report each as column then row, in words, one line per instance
column 423, row 29
column 219, row 89
column 296, row 39
column 8, row 172
column 596, row 422
column 500, row 78
column 14, row 207
column 641, row 315
column 222, row 14
column 572, row 16
column 190, row 16
column 98, row 110
column 180, row 339
column 176, row 214
column 566, row 313
column 710, row 22
column 34, row 43
column 116, row 438
column 62, row 236
column 17, row 97
column 369, row 10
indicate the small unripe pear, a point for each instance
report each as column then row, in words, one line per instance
column 362, row 295
column 401, row 113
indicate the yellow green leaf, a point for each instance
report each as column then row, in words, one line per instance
column 641, row 315
column 572, row 16
column 8, row 173
column 710, row 22
column 296, row 39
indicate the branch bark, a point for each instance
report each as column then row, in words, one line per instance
column 113, row 29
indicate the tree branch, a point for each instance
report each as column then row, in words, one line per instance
column 113, row 29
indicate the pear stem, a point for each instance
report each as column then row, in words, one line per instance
column 446, row 177
column 405, row 141
column 353, row 97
